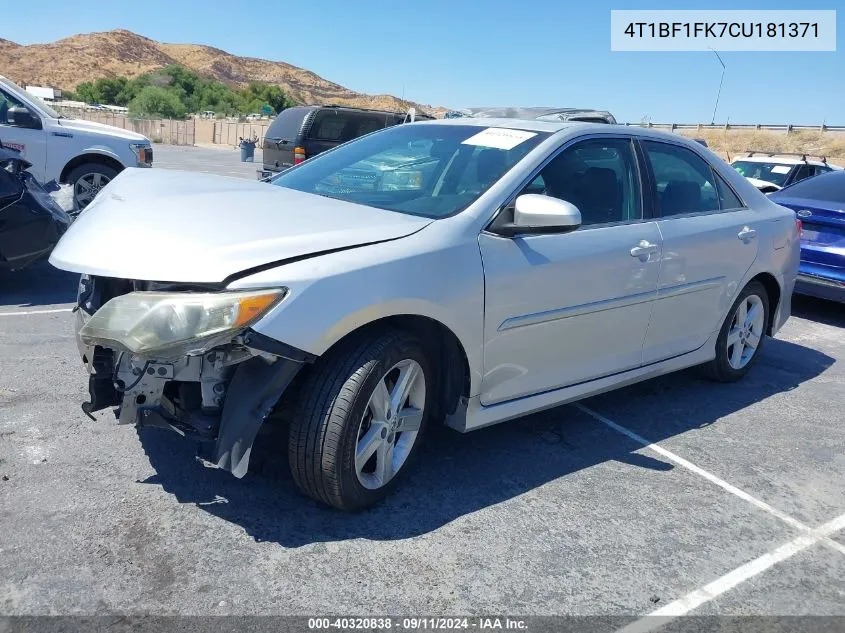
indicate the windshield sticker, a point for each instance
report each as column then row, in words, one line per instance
column 781, row 169
column 499, row 138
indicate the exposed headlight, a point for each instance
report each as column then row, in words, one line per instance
column 175, row 322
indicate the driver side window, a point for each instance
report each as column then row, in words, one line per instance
column 599, row 176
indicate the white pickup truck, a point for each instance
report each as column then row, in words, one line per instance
column 84, row 154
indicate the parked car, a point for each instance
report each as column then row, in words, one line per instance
column 521, row 265
column 84, row 154
column 819, row 203
column 772, row 172
column 304, row 131
column 30, row 220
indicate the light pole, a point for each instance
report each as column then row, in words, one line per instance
column 718, row 94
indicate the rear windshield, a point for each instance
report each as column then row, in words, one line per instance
column 288, row 123
column 419, row 169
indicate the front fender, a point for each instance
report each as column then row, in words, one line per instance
column 332, row 295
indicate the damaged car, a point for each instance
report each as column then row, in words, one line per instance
column 465, row 271
column 31, row 222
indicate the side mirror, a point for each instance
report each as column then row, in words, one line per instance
column 535, row 214
column 21, row 117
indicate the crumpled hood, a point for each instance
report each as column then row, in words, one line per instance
column 167, row 225
column 99, row 129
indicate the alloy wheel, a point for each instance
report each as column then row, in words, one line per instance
column 391, row 424
column 746, row 331
column 88, row 186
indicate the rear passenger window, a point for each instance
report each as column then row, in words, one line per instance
column 328, row 126
column 727, row 198
column 684, row 181
column 599, row 176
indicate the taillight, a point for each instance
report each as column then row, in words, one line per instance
column 799, row 227
column 298, row 155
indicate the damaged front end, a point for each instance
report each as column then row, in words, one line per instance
column 184, row 358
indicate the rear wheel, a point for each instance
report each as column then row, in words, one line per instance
column 363, row 409
column 87, row 180
column 742, row 335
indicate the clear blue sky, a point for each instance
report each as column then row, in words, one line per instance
column 489, row 52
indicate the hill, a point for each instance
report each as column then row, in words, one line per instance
column 86, row 57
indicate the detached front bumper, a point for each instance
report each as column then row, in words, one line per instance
column 219, row 398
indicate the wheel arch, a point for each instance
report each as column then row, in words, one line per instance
column 773, row 290
column 90, row 157
column 449, row 358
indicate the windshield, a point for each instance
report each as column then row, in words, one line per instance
column 775, row 173
column 420, row 169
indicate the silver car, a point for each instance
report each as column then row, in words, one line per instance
column 466, row 272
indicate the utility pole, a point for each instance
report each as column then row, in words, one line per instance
column 718, row 94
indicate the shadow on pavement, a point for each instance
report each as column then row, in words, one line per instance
column 459, row 474
column 37, row 285
column 819, row 310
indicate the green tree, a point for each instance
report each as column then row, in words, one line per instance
column 155, row 101
column 87, row 92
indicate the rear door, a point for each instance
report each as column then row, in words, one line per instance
column 282, row 136
column 709, row 243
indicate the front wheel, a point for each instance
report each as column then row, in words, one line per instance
column 87, row 180
column 742, row 335
column 362, row 412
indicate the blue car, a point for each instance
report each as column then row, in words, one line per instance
column 819, row 202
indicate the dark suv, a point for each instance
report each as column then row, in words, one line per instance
column 304, row 131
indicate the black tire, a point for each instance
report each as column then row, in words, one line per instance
column 75, row 174
column 719, row 369
column 332, row 404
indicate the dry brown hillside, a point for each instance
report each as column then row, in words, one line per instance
column 86, row 57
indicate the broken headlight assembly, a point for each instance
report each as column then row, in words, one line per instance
column 175, row 323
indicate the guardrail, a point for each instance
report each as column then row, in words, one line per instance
column 741, row 126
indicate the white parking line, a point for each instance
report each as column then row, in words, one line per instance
column 696, row 598
column 739, row 575
column 6, row 314
column 680, row 461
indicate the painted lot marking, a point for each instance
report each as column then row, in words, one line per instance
column 24, row 313
column 696, row 598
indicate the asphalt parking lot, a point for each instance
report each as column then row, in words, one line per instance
column 738, row 506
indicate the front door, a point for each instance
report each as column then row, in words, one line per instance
column 31, row 143
column 568, row 308
column 709, row 243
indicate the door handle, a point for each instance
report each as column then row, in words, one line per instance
column 644, row 249
column 746, row 234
